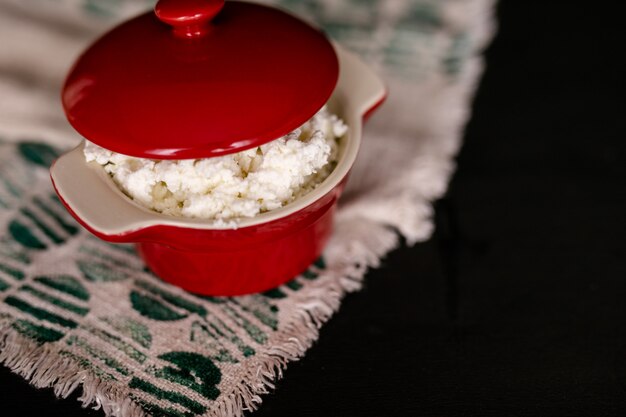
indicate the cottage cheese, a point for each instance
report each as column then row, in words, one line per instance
column 232, row 186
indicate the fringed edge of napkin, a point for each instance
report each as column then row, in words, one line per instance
column 44, row 367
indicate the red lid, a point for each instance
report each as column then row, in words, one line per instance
column 203, row 79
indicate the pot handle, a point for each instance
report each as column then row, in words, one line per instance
column 367, row 88
column 95, row 202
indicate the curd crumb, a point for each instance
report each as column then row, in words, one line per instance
column 229, row 187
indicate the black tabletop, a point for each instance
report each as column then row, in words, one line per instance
column 517, row 304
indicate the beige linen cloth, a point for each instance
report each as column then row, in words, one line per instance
column 76, row 312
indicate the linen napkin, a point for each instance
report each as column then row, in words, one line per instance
column 76, row 312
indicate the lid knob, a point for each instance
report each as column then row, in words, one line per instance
column 189, row 18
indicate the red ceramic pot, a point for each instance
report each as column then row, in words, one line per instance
column 261, row 252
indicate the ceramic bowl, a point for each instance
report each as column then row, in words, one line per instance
column 262, row 252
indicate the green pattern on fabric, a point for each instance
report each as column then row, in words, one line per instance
column 139, row 332
column 157, row 411
column 98, row 354
column 173, row 299
column 89, row 365
column 55, row 238
column 191, row 367
column 227, row 333
column 38, row 153
column 13, row 272
column 66, row 284
column 68, row 227
column 35, row 332
column 454, row 58
column 310, row 275
column 9, row 249
column 293, row 285
column 320, row 263
column 275, row 293
column 117, row 342
column 261, row 309
column 253, row 331
column 153, row 308
column 39, row 313
column 171, row 396
column 82, row 311
column 202, row 335
column 12, row 188
column 97, row 271
column 23, row 235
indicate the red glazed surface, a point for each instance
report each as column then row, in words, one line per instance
column 234, row 261
column 247, row 260
column 204, row 87
column 188, row 18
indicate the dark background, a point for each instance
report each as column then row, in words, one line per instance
column 517, row 305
